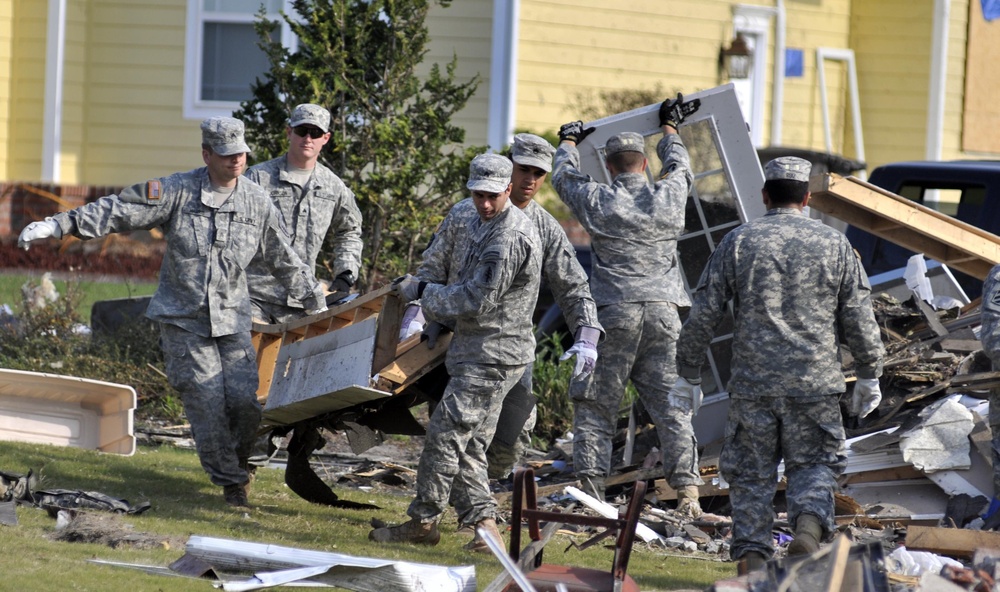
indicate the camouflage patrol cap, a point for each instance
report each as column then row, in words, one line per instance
column 625, row 142
column 532, row 150
column 489, row 173
column 787, row 167
column 309, row 114
column 224, row 135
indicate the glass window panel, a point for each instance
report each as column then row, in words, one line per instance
column 242, row 6
column 693, row 252
column 717, row 199
column 692, row 221
column 231, row 61
column 698, row 138
column 718, row 234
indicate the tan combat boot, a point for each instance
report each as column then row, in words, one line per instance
column 688, row 501
column 808, row 533
column 413, row 531
column 477, row 544
column 236, row 495
column 751, row 561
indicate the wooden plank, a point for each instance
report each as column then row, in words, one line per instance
column 406, row 368
column 268, row 347
column 907, row 224
column 390, row 319
column 953, row 542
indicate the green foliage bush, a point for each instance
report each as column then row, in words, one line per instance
column 550, row 384
column 50, row 340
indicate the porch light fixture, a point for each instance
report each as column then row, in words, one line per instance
column 735, row 59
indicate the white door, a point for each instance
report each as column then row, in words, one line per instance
column 726, row 193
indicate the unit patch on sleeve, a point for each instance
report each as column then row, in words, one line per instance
column 154, row 190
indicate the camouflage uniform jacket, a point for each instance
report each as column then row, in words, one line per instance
column 443, row 259
column 324, row 206
column 633, row 225
column 796, row 285
column 203, row 284
column 990, row 331
column 491, row 303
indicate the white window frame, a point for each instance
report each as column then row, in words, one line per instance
column 194, row 106
column 720, row 109
column 754, row 22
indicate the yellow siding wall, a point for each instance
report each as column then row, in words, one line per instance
column 6, row 51
column 892, row 44
column 131, row 99
column 464, row 29
column 574, row 49
column 123, row 79
column 571, row 50
column 810, row 26
column 27, row 89
column 958, row 37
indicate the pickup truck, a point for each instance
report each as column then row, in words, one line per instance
column 968, row 190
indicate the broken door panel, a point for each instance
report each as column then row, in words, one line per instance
column 726, row 193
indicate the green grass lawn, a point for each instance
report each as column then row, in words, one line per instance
column 184, row 503
column 90, row 290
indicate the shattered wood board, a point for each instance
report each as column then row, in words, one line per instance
column 67, row 411
column 908, row 224
column 270, row 339
column 953, row 542
column 326, row 373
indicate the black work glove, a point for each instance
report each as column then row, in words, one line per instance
column 574, row 132
column 340, row 287
column 673, row 112
column 432, row 331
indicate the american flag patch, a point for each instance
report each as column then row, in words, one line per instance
column 154, row 190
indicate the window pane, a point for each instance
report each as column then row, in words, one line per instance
column 716, row 199
column 231, row 61
column 693, row 253
column 241, row 6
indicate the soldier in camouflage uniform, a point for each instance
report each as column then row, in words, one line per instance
column 214, row 223
column 637, row 284
column 442, row 261
column 797, row 289
column 490, row 306
column 990, row 336
column 313, row 203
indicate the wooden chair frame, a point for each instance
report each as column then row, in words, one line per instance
column 545, row 576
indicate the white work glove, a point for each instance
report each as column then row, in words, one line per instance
column 585, row 350
column 38, row 230
column 867, row 395
column 413, row 322
column 686, row 395
column 407, row 287
column 312, row 311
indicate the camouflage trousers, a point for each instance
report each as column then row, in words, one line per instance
column 503, row 456
column 808, row 433
column 995, row 429
column 640, row 345
column 453, row 463
column 217, row 380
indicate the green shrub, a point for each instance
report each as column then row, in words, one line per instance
column 49, row 339
column 550, row 384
